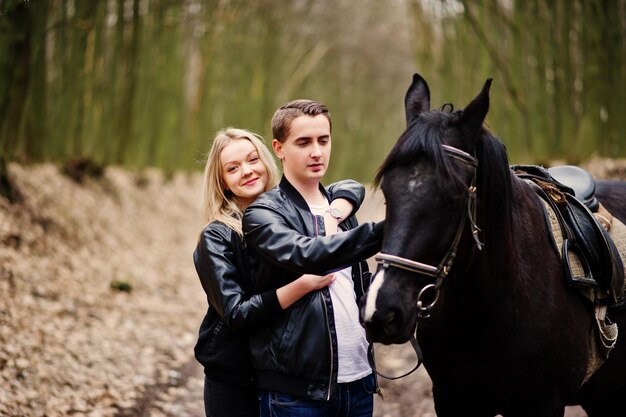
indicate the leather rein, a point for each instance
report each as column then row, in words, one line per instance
column 441, row 271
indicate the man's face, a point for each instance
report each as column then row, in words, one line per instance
column 306, row 151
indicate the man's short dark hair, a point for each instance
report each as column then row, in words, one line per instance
column 281, row 121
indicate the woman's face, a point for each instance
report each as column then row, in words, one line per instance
column 242, row 171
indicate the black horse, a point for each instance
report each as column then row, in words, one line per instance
column 505, row 333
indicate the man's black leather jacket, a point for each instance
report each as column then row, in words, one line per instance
column 296, row 353
column 221, row 261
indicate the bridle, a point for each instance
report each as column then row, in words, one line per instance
column 440, row 272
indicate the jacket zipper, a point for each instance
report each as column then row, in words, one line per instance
column 330, row 336
column 316, row 230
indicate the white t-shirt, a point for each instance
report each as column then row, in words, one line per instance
column 351, row 341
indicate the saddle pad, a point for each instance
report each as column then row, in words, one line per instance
column 617, row 232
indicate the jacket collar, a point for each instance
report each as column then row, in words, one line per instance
column 295, row 196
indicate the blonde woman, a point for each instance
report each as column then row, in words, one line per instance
column 239, row 168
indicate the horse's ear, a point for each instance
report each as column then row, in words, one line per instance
column 474, row 114
column 417, row 99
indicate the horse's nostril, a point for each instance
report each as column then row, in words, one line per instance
column 389, row 317
column 386, row 326
column 387, row 320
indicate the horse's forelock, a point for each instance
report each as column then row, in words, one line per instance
column 423, row 137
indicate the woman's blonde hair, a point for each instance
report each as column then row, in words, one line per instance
column 221, row 205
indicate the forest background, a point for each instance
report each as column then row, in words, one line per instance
column 142, row 83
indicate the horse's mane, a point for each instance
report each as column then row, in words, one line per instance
column 424, row 137
column 494, row 194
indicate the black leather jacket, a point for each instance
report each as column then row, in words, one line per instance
column 296, row 353
column 222, row 264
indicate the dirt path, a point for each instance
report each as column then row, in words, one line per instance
column 70, row 344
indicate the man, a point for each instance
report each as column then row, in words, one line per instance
column 312, row 360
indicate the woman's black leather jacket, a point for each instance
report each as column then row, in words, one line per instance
column 222, row 264
column 296, row 353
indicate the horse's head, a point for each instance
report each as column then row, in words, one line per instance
column 428, row 180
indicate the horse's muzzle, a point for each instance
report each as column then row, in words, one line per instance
column 383, row 315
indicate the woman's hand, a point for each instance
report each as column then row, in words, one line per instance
column 316, row 282
column 292, row 292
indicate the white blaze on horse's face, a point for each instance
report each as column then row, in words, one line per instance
column 370, row 302
column 415, row 181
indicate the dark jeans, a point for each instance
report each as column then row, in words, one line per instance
column 222, row 399
column 352, row 399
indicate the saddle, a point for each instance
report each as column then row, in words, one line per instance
column 569, row 191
